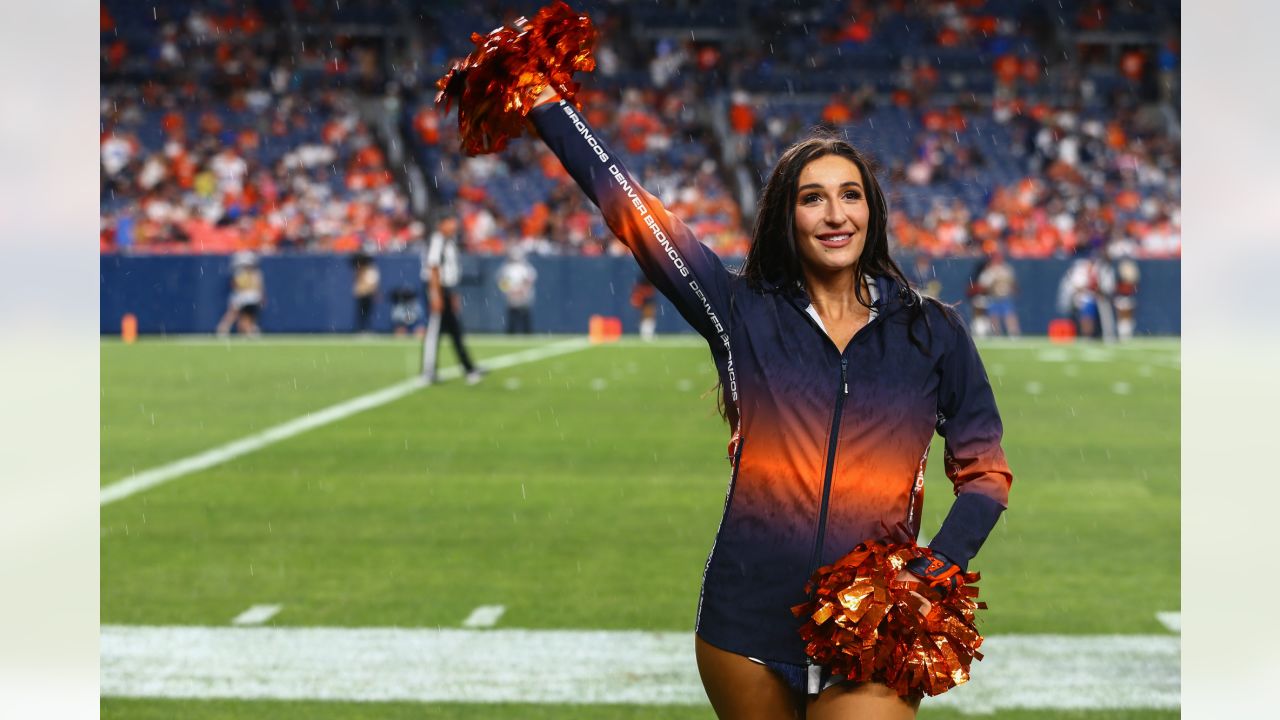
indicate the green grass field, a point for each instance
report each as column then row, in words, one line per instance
column 543, row 489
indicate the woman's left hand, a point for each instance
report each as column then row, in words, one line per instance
column 925, row 604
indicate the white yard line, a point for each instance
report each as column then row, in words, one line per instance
column 156, row 476
column 1171, row 620
column 484, row 616
column 256, row 615
column 580, row 666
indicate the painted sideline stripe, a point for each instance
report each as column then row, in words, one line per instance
column 156, row 476
column 256, row 615
column 1171, row 620
column 484, row 616
column 580, row 666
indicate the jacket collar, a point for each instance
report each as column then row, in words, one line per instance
column 891, row 296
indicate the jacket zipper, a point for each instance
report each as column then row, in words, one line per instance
column 834, row 440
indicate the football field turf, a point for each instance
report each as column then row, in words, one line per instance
column 576, row 492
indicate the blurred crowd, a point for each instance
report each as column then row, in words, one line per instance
column 997, row 126
column 1087, row 183
column 222, row 148
column 219, row 180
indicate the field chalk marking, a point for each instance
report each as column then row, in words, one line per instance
column 256, row 615
column 632, row 667
column 156, row 476
column 485, row 616
column 1171, row 620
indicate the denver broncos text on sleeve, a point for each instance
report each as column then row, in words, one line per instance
column 682, row 268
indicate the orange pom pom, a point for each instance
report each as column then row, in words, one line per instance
column 496, row 85
column 865, row 625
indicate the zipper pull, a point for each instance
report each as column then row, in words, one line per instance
column 844, row 374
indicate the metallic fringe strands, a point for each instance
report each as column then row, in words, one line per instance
column 866, row 626
column 495, row 86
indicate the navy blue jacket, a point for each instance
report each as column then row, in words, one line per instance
column 828, row 447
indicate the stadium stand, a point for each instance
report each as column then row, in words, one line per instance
column 1037, row 128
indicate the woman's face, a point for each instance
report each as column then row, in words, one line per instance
column 831, row 214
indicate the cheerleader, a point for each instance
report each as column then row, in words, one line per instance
column 834, row 375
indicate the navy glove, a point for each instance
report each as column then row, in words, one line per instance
column 937, row 571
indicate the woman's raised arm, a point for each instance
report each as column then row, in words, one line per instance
column 677, row 263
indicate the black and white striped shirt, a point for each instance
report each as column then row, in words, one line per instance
column 442, row 252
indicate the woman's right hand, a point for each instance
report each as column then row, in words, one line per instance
column 546, row 96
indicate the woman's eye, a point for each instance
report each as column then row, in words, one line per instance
column 853, row 195
column 810, row 198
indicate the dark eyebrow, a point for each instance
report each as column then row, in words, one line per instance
column 819, row 187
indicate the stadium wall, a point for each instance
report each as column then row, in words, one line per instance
column 312, row 293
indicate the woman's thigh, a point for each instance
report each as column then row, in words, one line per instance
column 864, row 701
column 740, row 689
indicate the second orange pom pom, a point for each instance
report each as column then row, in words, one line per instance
column 867, row 626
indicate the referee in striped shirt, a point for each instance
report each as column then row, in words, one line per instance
column 440, row 274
